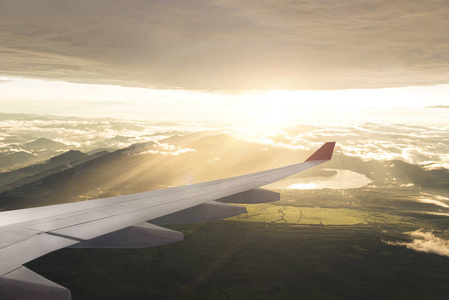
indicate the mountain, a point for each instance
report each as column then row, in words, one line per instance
column 23, row 176
column 4, row 116
column 13, row 156
column 12, row 159
column 178, row 139
column 139, row 168
column 67, row 157
column 44, row 144
column 95, row 151
column 145, row 166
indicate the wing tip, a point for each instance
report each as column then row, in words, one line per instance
column 324, row 153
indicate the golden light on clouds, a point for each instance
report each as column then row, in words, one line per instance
column 424, row 242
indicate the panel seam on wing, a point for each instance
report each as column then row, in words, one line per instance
column 21, row 240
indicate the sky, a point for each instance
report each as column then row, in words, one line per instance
column 246, row 62
column 251, row 109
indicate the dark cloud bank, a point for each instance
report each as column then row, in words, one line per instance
column 228, row 44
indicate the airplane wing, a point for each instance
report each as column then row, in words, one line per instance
column 121, row 222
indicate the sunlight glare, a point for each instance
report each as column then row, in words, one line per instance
column 304, row 186
column 251, row 109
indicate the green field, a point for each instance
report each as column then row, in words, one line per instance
column 269, row 213
column 227, row 260
column 317, row 244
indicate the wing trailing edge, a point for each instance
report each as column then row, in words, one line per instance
column 253, row 196
column 143, row 235
column 206, row 212
column 23, row 283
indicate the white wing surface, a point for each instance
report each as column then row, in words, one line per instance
column 121, row 222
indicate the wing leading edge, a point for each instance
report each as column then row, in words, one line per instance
column 121, row 222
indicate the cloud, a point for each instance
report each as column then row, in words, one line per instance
column 427, row 146
column 88, row 134
column 228, row 44
column 156, row 148
column 438, row 106
column 421, row 145
column 425, row 242
column 166, row 149
column 434, row 202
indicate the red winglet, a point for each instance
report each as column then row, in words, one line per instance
column 324, row 153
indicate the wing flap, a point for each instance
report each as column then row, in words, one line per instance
column 23, row 284
column 252, row 196
column 13, row 256
column 143, row 235
column 206, row 212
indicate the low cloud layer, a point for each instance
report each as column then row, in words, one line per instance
column 439, row 106
column 156, row 148
column 425, row 146
column 87, row 134
column 425, row 242
column 228, row 44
